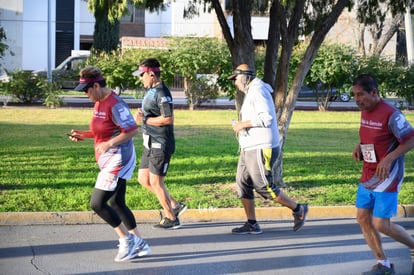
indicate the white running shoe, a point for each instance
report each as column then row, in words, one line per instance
column 126, row 248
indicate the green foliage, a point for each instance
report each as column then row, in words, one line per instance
column 335, row 66
column 24, row 88
column 107, row 10
column 106, row 35
column 203, row 89
column 118, row 66
column 179, row 60
column 403, row 84
column 191, row 57
column 110, row 65
column 392, row 78
column 332, row 67
column 52, row 91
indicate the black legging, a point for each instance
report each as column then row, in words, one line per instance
column 117, row 211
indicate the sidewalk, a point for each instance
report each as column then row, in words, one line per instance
column 323, row 246
column 191, row 215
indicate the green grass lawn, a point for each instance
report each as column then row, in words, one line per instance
column 42, row 170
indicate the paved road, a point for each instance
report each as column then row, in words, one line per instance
column 221, row 103
column 180, row 102
column 323, row 246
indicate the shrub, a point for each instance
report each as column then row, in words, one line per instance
column 23, row 87
column 203, row 89
column 52, row 91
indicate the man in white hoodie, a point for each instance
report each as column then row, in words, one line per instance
column 259, row 148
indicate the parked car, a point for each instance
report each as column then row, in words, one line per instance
column 67, row 72
column 333, row 94
column 4, row 77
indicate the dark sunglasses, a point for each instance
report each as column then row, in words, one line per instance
column 85, row 90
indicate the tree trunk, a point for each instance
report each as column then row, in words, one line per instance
column 361, row 39
column 242, row 51
column 272, row 47
column 187, row 92
column 287, row 106
column 376, row 32
column 241, row 46
column 396, row 23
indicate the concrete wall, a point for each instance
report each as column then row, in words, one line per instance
column 26, row 24
column 171, row 22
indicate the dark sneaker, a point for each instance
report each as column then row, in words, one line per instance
column 300, row 217
column 380, row 269
column 180, row 209
column 247, row 228
column 166, row 223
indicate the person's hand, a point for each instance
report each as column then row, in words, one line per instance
column 102, row 147
column 76, row 135
column 356, row 154
column 139, row 116
column 237, row 126
column 383, row 168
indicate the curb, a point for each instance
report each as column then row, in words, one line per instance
column 191, row 215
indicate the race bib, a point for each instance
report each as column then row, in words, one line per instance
column 106, row 181
column 368, row 153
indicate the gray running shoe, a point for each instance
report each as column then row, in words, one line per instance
column 166, row 223
column 143, row 249
column 380, row 269
column 126, row 249
column 180, row 209
column 247, row 228
column 300, row 217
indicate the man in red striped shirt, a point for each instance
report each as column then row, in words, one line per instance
column 385, row 136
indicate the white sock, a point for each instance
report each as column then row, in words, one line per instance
column 385, row 263
column 412, row 255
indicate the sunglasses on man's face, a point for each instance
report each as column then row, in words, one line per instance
column 85, row 90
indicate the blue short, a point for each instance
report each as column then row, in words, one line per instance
column 383, row 204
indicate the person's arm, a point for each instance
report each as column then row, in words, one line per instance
column 263, row 108
column 241, row 125
column 384, row 166
column 78, row 135
column 154, row 121
column 119, row 139
column 159, row 120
